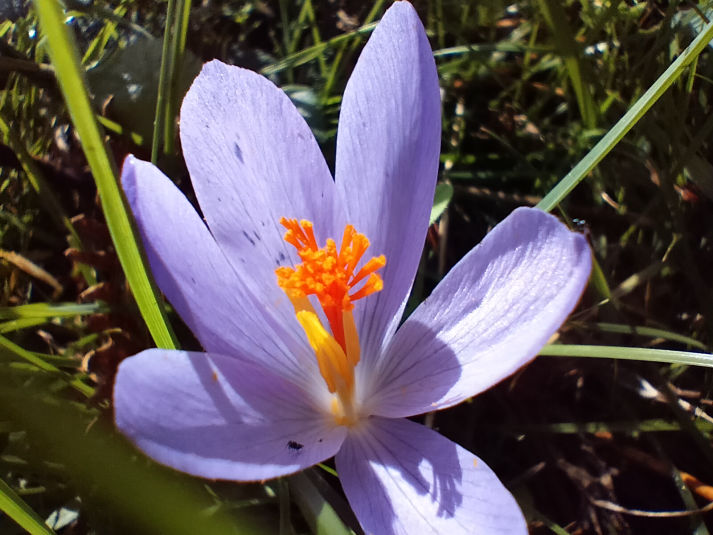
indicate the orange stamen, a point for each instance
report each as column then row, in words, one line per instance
column 328, row 274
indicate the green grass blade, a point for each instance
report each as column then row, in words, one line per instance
column 597, row 278
column 18, row 324
column 308, row 54
column 441, row 199
column 163, row 84
column 629, row 353
column 11, row 349
column 620, row 129
column 487, row 48
column 178, row 50
column 49, row 310
column 649, row 332
column 16, row 508
column 147, row 497
column 653, row 425
column 556, row 18
column 63, row 53
column 342, row 53
column 283, row 494
column 320, row 515
column 115, row 127
column 47, row 197
column 174, row 46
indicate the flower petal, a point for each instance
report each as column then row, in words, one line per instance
column 253, row 160
column 218, row 417
column 490, row 315
column 402, row 478
column 387, row 160
column 200, row 283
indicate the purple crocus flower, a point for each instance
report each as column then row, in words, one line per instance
column 303, row 357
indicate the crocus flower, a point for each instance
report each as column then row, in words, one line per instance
column 296, row 286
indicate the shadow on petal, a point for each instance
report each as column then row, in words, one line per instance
column 401, row 477
column 219, row 417
column 424, row 369
column 489, row 316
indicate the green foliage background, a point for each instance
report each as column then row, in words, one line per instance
column 600, row 111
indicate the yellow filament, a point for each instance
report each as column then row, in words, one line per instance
column 301, row 304
column 326, row 276
column 333, row 363
column 343, row 414
column 351, row 338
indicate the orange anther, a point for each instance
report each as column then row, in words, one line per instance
column 328, row 272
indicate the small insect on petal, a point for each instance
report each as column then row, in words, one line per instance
column 295, row 446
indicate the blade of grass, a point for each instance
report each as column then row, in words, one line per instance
column 343, row 53
column 174, row 46
column 285, row 23
column 487, row 48
column 16, row 325
column 597, row 277
column 101, row 466
column 629, row 427
column 320, row 515
column 698, row 526
column 115, row 127
column 48, row 310
column 629, row 353
column 16, row 508
column 94, row 11
column 283, row 493
column 64, row 56
column 556, row 18
column 10, row 348
column 47, row 197
column 308, row 10
column 630, row 118
column 99, row 43
column 649, row 332
column 684, row 417
column 441, row 199
column 313, row 52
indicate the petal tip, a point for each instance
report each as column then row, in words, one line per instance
column 402, row 8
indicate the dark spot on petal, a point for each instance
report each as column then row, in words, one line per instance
column 321, row 440
column 247, row 237
column 193, row 280
column 238, row 152
column 257, row 236
column 294, row 446
column 215, row 377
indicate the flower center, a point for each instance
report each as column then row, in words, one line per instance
column 328, row 274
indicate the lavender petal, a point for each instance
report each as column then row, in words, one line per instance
column 217, row 417
column 211, row 297
column 253, row 160
column 489, row 316
column 402, row 478
column 387, row 160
